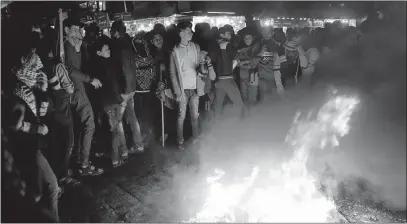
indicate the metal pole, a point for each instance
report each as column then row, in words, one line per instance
column 125, row 7
column 61, row 37
column 162, row 115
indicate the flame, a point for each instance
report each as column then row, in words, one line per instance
column 291, row 193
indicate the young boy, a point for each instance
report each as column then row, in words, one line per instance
column 111, row 101
column 248, row 77
column 184, row 61
column 225, row 64
column 269, row 65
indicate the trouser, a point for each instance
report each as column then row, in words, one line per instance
column 192, row 99
column 112, row 119
column 268, row 84
column 40, row 178
column 51, row 189
column 249, row 92
column 84, row 127
column 206, row 106
column 305, row 82
column 134, row 138
column 228, row 87
column 63, row 136
column 147, row 107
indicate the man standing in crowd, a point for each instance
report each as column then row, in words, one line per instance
column 123, row 55
column 144, row 96
column 248, row 77
column 268, row 63
column 184, row 61
column 225, row 64
column 111, row 103
column 75, row 56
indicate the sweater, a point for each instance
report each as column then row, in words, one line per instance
column 113, row 87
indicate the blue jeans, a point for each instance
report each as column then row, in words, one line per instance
column 134, row 133
column 228, row 87
column 192, row 99
column 249, row 92
column 114, row 115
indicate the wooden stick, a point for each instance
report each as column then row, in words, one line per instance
column 61, row 37
column 296, row 72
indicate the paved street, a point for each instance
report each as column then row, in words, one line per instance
column 146, row 190
column 165, row 185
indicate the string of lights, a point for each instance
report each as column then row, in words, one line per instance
column 237, row 22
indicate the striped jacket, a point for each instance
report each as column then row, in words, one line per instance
column 59, row 79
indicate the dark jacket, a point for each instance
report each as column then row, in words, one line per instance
column 122, row 55
column 113, row 86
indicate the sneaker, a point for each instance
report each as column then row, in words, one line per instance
column 181, row 146
column 90, row 171
column 69, row 181
column 196, row 140
column 136, row 149
column 125, row 155
column 118, row 163
column 99, row 154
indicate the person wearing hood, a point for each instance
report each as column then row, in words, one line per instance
column 268, row 62
column 30, row 130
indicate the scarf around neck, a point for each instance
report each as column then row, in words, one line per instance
column 29, row 77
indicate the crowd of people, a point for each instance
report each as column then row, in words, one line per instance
column 103, row 98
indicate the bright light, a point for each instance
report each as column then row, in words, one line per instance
column 290, row 188
column 292, row 18
column 228, row 13
column 283, row 18
column 267, row 23
column 278, row 17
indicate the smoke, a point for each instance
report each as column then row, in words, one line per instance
column 370, row 164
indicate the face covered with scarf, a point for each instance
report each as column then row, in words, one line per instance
column 30, row 72
column 291, row 49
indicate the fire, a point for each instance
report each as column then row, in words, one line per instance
column 291, row 193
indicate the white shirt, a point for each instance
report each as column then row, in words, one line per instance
column 187, row 66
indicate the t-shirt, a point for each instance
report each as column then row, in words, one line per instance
column 269, row 58
column 187, row 66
